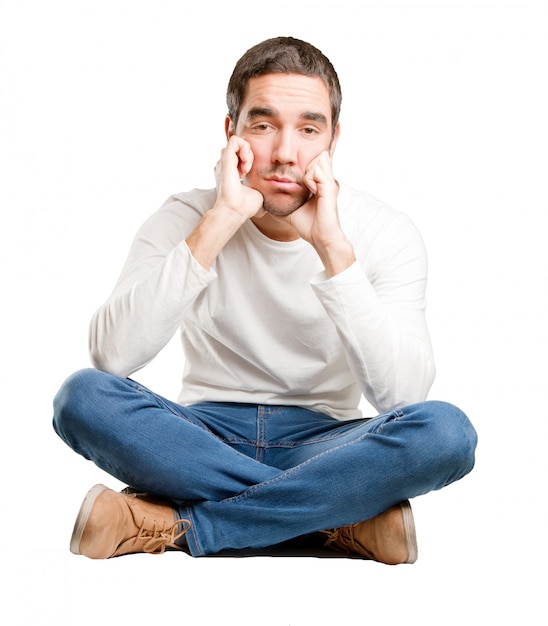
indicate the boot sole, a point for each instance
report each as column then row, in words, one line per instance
column 410, row 532
column 83, row 516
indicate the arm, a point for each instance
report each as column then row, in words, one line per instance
column 158, row 283
column 379, row 316
column 317, row 221
column 169, row 265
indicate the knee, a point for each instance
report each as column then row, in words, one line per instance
column 73, row 401
column 452, row 436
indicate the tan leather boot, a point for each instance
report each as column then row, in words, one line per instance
column 112, row 524
column 388, row 538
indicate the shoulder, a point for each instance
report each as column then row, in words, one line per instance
column 361, row 207
column 178, row 215
column 363, row 215
column 189, row 203
column 200, row 200
column 382, row 236
column 176, row 218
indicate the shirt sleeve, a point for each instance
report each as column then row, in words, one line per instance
column 158, row 283
column 378, row 308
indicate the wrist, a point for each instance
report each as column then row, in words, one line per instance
column 336, row 256
column 215, row 229
column 226, row 215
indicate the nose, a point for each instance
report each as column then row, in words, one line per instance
column 285, row 148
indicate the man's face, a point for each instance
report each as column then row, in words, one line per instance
column 286, row 119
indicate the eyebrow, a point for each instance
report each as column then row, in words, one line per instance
column 315, row 117
column 311, row 116
column 259, row 112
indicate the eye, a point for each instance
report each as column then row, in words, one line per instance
column 262, row 127
column 310, row 131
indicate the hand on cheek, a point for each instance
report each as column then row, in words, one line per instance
column 231, row 170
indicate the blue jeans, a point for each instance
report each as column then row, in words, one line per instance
column 251, row 476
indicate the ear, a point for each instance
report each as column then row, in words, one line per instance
column 335, row 139
column 229, row 127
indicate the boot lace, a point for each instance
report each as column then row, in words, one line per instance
column 341, row 539
column 156, row 540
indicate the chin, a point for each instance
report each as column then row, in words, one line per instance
column 281, row 209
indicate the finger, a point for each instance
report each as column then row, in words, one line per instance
column 243, row 155
column 310, row 176
column 309, row 180
column 318, row 172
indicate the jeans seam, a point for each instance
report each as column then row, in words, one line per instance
column 251, row 490
column 336, row 434
column 161, row 402
column 282, row 443
column 393, row 416
column 260, row 443
column 192, row 530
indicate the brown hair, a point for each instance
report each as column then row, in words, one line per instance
column 282, row 55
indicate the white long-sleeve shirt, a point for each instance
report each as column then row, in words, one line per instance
column 265, row 325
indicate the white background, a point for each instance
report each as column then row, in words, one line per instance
column 107, row 108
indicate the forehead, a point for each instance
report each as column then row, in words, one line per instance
column 287, row 94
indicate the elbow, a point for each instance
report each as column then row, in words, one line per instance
column 103, row 363
column 429, row 376
column 103, row 354
column 408, row 388
column 107, row 362
column 417, row 387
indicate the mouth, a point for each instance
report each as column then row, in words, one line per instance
column 283, row 184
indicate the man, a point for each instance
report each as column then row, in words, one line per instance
column 294, row 295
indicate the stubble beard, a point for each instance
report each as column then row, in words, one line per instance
column 281, row 210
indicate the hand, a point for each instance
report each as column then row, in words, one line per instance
column 235, row 203
column 235, row 162
column 317, row 221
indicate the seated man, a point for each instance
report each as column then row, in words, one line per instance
column 295, row 296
